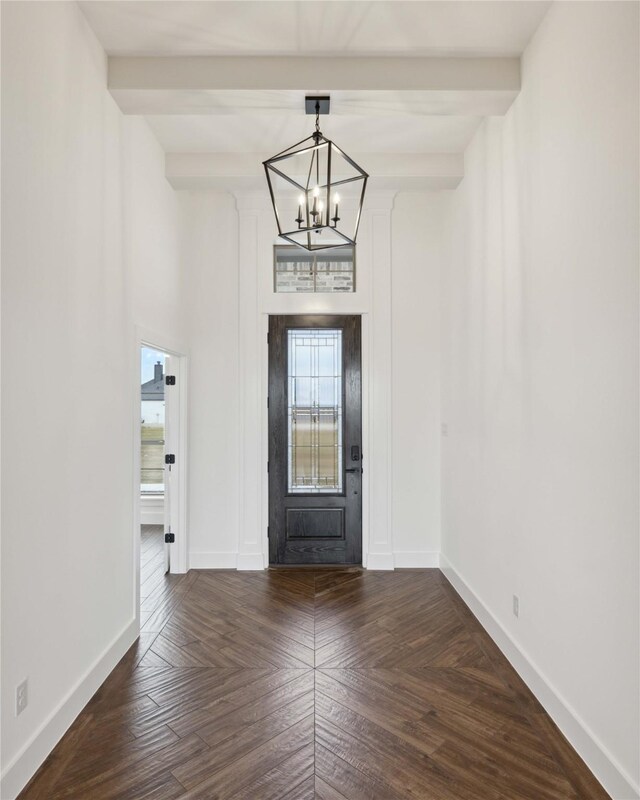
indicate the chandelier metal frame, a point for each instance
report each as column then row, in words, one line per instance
column 314, row 206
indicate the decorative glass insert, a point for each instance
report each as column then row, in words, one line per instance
column 314, row 409
column 297, row 270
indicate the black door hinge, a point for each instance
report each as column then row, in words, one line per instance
column 267, row 338
column 170, row 458
column 170, row 380
column 267, row 531
column 267, row 466
column 169, row 538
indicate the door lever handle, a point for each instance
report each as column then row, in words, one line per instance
column 354, row 469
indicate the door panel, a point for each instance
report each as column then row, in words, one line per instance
column 172, row 425
column 315, row 432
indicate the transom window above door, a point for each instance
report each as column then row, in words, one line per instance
column 298, row 270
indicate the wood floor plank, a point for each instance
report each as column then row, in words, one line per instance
column 308, row 684
column 237, row 774
column 242, row 742
column 348, row 781
column 290, row 780
column 325, row 792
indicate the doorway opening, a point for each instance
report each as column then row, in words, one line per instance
column 315, row 440
column 153, row 558
column 160, row 474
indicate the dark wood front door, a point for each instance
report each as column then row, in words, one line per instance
column 315, row 440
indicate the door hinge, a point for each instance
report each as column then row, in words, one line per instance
column 267, row 401
column 169, row 538
column 169, row 458
column 267, row 338
column 267, row 531
column 267, row 466
column 170, row 380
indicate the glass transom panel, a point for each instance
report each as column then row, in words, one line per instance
column 330, row 271
column 314, row 411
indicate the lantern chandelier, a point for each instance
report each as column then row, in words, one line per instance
column 302, row 183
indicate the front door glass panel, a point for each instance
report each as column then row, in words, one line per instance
column 314, row 411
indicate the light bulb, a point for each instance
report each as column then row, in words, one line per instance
column 301, row 200
column 316, row 192
column 336, row 198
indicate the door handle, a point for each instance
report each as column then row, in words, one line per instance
column 354, row 469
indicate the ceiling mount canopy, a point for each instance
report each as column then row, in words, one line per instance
column 316, row 189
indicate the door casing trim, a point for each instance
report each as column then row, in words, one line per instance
column 364, row 444
column 179, row 550
column 264, row 385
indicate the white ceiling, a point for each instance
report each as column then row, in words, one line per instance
column 312, row 27
column 264, row 121
column 271, row 133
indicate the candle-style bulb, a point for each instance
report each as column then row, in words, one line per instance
column 299, row 218
column 316, row 192
column 335, row 219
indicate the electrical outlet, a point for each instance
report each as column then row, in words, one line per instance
column 22, row 696
column 516, row 605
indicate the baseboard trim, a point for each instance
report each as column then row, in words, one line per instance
column 213, row 560
column 255, row 561
column 595, row 755
column 251, row 561
column 24, row 765
column 420, row 559
column 152, row 510
column 380, row 561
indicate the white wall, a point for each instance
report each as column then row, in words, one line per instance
column 540, row 466
column 86, row 217
column 229, row 274
column 416, row 262
column 210, row 234
column 152, row 224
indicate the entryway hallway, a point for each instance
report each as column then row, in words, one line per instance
column 298, row 684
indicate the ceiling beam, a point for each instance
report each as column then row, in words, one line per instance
column 233, row 171
column 210, row 85
column 234, row 72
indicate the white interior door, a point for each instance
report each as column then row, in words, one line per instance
column 172, row 453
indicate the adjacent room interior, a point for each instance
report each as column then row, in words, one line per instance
column 334, row 493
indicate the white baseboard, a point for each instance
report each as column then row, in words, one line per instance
column 255, row 561
column 381, row 561
column 251, row 561
column 213, row 560
column 604, row 766
column 152, row 510
column 24, row 765
column 420, row 559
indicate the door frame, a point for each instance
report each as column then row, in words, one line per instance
column 330, row 320
column 365, row 332
column 179, row 550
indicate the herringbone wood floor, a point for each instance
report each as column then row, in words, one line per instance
column 296, row 684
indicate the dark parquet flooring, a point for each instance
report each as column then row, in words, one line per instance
column 310, row 685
